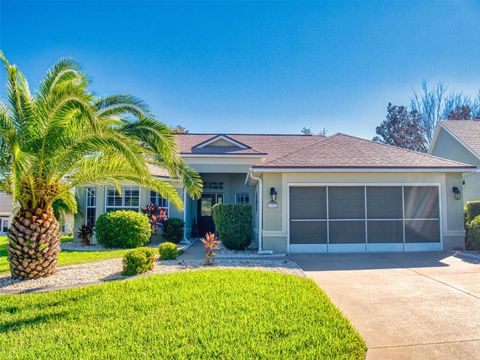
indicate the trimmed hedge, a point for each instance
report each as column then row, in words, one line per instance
column 168, row 251
column 123, row 229
column 473, row 234
column 138, row 261
column 233, row 223
column 173, row 230
column 472, row 210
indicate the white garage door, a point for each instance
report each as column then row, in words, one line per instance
column 364, row 218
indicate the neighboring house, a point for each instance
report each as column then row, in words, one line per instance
column 460, row 140
column 311, row 193
column 5, row 212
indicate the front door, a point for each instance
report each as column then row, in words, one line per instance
column 205, row 220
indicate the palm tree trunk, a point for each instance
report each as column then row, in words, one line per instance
column 33, row 244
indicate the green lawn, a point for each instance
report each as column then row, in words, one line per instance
column 65, row 257
column 210, row 314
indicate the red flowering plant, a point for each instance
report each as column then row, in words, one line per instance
column 210, row 244
column 156, row 215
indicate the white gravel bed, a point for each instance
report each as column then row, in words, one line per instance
column 75, row 246
column 106, row 270
column 224, row 253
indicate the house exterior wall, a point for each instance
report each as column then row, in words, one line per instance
column 232, row 183
column 5, row 204
column 448, row 147
column 275, row 220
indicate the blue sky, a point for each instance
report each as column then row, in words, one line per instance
column 253, row 67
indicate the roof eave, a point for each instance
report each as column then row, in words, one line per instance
column 259, row 168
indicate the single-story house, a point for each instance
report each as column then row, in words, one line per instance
column 5, row 212
column 460, row 140
column 312, row 193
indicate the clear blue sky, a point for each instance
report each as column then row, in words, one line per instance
column 253, row 67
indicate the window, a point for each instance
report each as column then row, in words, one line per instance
column 128, row 200
column 5, row 226
column 242, row 198
column 158, row 200
column 213, row 185
column 91, row 205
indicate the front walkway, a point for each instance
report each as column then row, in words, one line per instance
column 406, row 306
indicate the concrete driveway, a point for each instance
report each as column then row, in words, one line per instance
column 406, row 306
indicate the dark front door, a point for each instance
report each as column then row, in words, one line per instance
column 205, row 220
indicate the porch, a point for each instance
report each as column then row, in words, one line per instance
column 223, row 188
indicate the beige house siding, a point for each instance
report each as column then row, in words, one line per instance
column 5, row 204
column 448, row 147
column 275, row 233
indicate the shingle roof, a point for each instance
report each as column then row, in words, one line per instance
column 467, row 131
column 345, row 151
column 270, row 146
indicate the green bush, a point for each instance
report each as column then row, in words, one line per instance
column 234, row 225
column 168, row 251
column 138, row 261
column 473, row 234
column 123, row 229
column 173, row 230
column 472, row 210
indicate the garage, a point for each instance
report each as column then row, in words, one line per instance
column 364, row 218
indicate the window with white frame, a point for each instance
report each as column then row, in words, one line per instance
column 213, row 185
column 129, row 199
column 242, row 198
column 5, row 225
column 91, row 205
column 157, row 199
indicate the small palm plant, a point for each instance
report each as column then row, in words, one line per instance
column 62, row 137
column 210, row 244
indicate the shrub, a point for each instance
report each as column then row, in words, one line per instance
column 472, row 210
column 85, row 233
column 210, row 244
column 173, row 230
column 168, row 251
column 123, row 229
column 473, row 234
column 138, row 261
column 234, row 225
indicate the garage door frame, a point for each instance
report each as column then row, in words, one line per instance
column 355, row 248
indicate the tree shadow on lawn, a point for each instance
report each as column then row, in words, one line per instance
column 17, row 325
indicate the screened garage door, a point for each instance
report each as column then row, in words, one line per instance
column 364, row 218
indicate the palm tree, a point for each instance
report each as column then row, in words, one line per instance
column 62, row 137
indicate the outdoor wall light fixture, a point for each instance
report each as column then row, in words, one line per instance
column 273, row 194
column 456, row 193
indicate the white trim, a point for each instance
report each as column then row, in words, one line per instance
column 411, row 247
column 221, row 137
column 364, row 170
column 363, row 247
column 308, row 248
column 199, row 155
column 260, row 211
column 346, row 248
column 385, row 247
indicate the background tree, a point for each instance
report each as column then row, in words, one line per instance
column 401, row 128
column 306, row 131
column 437, row 103
column 461, row 112
column 179, row 130
column 62, row 137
